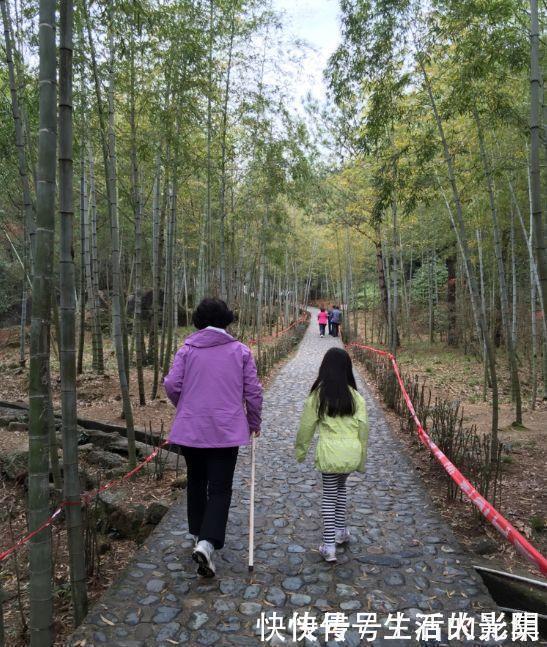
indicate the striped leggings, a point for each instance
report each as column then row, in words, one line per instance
column 333, row 505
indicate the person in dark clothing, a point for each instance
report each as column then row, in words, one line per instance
column 329, row 313
column 336, row 317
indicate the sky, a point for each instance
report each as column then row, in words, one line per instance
column 316, row 23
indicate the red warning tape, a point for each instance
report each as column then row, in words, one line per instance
column 486, row 509
column 85, row 497
column 303, row 318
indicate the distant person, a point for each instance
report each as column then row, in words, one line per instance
column 336, row 318
column 338, row 412
column 323, row 319
column 329, row 313
column 214, row 385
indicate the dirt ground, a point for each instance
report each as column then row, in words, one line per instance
column 98, row 396
column 452, row 375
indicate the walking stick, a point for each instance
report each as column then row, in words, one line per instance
column 252, row 506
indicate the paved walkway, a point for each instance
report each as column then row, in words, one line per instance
column 403, row 556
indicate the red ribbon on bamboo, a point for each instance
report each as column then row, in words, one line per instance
column 252, row 342
column 85, row 497
column 488, row 511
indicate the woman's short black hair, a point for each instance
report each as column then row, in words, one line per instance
column 212, row 312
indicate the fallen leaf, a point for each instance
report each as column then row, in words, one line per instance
column 107, row 621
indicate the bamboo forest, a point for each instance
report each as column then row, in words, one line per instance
column 374, row 166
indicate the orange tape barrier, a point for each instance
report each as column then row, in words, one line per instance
column 85, row 497
column 486, row 509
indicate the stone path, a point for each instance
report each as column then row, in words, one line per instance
column 403, row 557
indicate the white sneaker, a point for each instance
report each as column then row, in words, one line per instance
column 342, row 536
column 202, row 555
column 328, row 552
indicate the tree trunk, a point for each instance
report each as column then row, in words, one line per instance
column 223, row 288
column 394, row 341
column 137, row 211
column 20, row 143
column 117, row 296
column 535, row 162
column 98, row 361
column 169, row 279
column 514, row 294
column 153, row 340
column 83, row 209
column 430, row 298
column 478, row 234
column 515, row 382
column 71, row 478
column 40, row 557
column 452, row 333
column 381, row 276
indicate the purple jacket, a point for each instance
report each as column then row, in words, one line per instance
column 214, row 385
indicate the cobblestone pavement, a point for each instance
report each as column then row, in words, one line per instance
column 403, row 557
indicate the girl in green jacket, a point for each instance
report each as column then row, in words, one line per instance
column 338, row 411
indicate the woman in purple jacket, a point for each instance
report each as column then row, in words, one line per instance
column 214, row 385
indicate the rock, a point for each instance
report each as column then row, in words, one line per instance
column 250, row 608
column 378, row 601
column 83, row 436
column 118, row 446
column 300, row 599
column 292, row 583
column 15, row 425
column 101, row 438
column 11, row 417
column 14, row 465
column 484, row 546
column 86, row 447
column 164, row 614
column 276, row 596
column 180, row 482
column 103, row 544
column 350, row 605
column 155, row 586
column 87, row 482
column 394, row 579
column 104, row 459
column 156, row 511
column 208, row 637
column 168, row 632
column 345, row 591
column 380, row 560
column 124, row 518
column 197, row 620
column 296, row 548
column 251, row 592
column 230, row 587
column 222, row 606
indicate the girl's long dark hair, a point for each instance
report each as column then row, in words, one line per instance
column 333, row 384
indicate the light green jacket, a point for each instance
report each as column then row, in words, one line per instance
column 342, row 444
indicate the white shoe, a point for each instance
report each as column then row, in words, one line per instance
column 342, row 536
column 328, row 552
column 203, row 556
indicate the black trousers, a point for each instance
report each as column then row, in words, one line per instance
column 209, row 490
column 335, row 327
column 322, row 329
